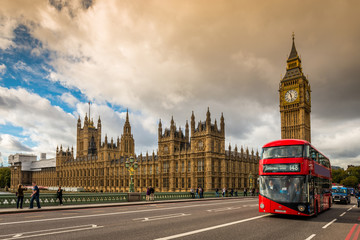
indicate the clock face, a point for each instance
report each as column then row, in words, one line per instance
column 307, row 96
column 291, row 95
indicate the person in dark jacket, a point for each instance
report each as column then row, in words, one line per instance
column 152, row 194
column 35, row 196
column 20, row 196
column 59, row 195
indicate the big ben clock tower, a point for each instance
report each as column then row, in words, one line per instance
column 295, row 100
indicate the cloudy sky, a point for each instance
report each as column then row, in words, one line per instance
column 164, row 58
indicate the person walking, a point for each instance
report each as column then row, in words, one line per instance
column 35, row 196
column 147, row 194
column 197, row 192
column 201, row 190
column 253, row 192
column 217, row 192
column 245, row 192
column 224, row 192
column 232, row 192
column 59, row 195
column 152, row 194
column 20, row 196
column 192, row 193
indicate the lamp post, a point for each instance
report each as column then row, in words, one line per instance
column 131, row 166
column 251, row 180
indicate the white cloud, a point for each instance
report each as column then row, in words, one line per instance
column 2, row 69
column 164, row 59
column 69, row 99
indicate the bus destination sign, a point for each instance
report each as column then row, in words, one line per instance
column 281, row 167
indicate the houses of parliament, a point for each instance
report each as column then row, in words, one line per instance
column 185, row 159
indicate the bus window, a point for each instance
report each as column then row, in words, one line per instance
column 313, row 155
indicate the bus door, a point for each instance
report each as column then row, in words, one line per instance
column 311, row 193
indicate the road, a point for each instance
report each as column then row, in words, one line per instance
column 216, row 219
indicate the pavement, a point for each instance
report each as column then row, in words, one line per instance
column 236, row 218
column 103, row 205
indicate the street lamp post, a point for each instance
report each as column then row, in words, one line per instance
column 131, row 166
column 251, row 180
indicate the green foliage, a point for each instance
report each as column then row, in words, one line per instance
column 5, row 175
column 338, row 175
column 350, row 181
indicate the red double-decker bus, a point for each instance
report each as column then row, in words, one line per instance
column 294, row 178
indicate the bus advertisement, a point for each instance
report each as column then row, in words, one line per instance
column 294, row 178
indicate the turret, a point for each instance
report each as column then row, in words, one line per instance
column 160, row 129
column 208, row 120
column 187, row 131
column 192, row 123
column 222, row 124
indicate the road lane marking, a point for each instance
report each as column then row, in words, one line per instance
column 222, row 209
column 351, row 232
column 328, row 224
column 119, row 213
column 342, row 214
column 311, row 236
column 349, row 209
column 49, row 231
column 211, row 228
column 154, row 218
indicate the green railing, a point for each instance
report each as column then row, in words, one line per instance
column 50, row 199
column 68, row 199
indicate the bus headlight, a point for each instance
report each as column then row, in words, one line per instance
column 262, row 206
column 301, row 208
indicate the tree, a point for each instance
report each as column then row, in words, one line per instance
column 350, row 181
column 338, row 175
column 5, row 175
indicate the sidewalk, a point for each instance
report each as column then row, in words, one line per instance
column 83, row 206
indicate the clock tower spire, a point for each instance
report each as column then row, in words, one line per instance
column 295, row 101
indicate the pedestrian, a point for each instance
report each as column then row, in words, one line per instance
column 152, row 194
column 217, row 192
column 257, row 192
column 236, row 193
column 232, row 192
column 20, row 196
column 148, row 194
column 253, row 191
column 35, row 196
column 245, row 192
column 197, row 192
column 201, row 190
column 59, row 195
column 192, row 193
column 224, row 192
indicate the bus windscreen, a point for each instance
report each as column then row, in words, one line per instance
column 292, row 151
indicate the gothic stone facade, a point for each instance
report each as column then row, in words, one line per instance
column 184, row 160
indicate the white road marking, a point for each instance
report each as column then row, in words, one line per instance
column 175, row 215
column 342, row 214
column 50, row 231
column 223, row 209
column 211, row 228
column 349, row 209
column 354, row 206
column 311, row 236
column 120, row 213
column 251, row 205
column 328, row 224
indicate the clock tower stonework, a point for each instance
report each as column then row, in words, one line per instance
column 295, row 100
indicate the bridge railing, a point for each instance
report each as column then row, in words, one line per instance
column 50, row 199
